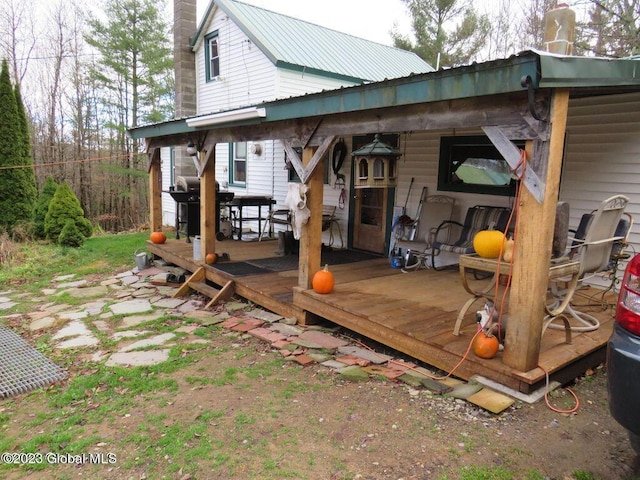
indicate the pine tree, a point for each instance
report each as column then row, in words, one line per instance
column 29, row 190
column 65, row 206
column 16, row 196
column 41, row 206
column 448, row 32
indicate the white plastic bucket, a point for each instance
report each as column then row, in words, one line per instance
column 196, row 248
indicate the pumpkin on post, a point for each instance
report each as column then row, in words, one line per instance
column 323, row 281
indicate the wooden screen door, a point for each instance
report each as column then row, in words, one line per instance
column 370, row 219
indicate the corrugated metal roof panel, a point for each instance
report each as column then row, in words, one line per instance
column 293, row 43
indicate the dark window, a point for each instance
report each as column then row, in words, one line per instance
column 472, row 164
column 212, row 56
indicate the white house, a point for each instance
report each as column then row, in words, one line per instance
column 243, row 55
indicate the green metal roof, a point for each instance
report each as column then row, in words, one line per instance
column 582, row 75
column 294, row 44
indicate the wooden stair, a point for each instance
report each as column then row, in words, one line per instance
column 198, row 282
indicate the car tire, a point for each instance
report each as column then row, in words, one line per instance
column 635, row 442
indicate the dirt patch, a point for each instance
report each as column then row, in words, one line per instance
column 240, row 412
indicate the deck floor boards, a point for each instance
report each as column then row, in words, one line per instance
column 412, row 312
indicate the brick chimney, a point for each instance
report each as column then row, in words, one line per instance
column 184, row 14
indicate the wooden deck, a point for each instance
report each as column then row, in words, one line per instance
column 413, row 313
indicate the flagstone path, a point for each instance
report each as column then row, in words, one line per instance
column 115, row 311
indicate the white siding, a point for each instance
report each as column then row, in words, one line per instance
column 602, row 155
column 291, row 84
column 168, row 204
column 247, row 76
column 421, row 154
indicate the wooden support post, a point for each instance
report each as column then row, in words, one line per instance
column 532, row 254
column 207, row 203
column 155, row 191
column 311, row 238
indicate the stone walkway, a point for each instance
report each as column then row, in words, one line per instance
column 118, row 307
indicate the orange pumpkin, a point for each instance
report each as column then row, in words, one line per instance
column 210, row 258
column 158, row 237
column 485, row 346
column 323, row 281
column 488, row 243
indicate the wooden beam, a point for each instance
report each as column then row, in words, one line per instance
column 155, row 191
column 293, row 157
column 317, row 157
column 511, row 154
column 532, row 254
column 208, row 203
column 510, row 111
column 311, row 238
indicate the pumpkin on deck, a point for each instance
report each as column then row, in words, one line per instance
column 210, row 258
column 485, row 346
column 488, row 243
column 158, row 237
column 323, row 281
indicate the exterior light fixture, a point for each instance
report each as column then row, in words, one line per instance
column 192, row 150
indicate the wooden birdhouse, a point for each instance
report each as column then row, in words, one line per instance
column 376, row 165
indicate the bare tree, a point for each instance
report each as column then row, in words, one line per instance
column 17, row 35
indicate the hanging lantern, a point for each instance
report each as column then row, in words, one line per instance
column 375, row 165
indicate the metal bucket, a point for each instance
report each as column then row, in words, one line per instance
column 143, row 261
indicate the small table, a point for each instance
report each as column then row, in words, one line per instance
column 559, row 268
column 240, row 202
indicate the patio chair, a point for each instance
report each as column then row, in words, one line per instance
column 593, row 246
column 480, row 217
column 277, row 216
column 329, row 221
column 422, row 231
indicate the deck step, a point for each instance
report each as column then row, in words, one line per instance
column 198, row 282
column 204, row 289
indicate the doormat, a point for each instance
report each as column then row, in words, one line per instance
column 331, row 257
column 22, row 367
column 240, row 269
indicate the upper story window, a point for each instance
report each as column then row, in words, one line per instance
column 238, row 160
column 212, row 56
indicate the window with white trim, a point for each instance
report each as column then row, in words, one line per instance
column 238, row 160
column 212, row 56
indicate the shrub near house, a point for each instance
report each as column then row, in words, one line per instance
column 65, row 207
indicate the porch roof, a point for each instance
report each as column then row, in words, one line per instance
column 582, row 75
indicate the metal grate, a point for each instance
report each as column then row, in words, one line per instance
column 22, row 367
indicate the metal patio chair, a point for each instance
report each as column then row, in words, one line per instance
column 480, row 217
column 593, row 246
column 439, row 208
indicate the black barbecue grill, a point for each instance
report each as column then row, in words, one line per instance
column 186, row 193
